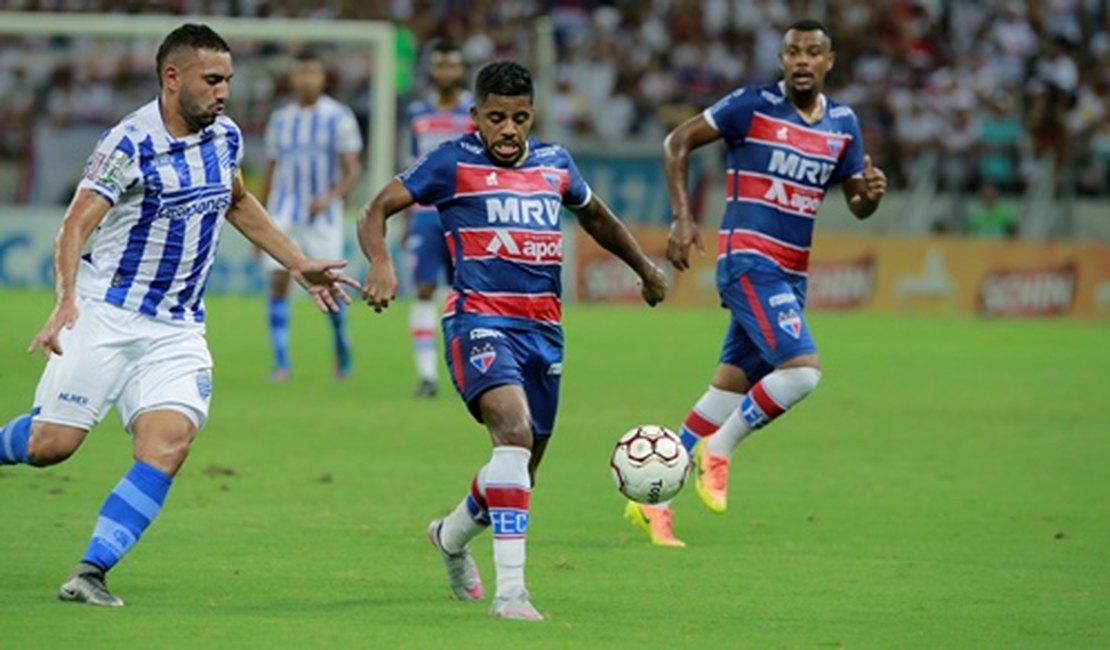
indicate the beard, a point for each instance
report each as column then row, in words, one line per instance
column 197, row 117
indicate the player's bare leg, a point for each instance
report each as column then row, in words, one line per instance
column 161, row 444
column 279, row 315
column 51, row 443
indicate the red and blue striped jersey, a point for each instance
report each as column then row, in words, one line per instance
column 430, row 127
column 502, row 225
column 779, row 168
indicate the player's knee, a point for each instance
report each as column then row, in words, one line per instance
column 164, row 441
column 513, row 436
column 166, row 453
column 801, row 381
column 50, row 444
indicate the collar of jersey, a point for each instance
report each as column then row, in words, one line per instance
column 523, row 157
column 820, row 97
column 188, row 137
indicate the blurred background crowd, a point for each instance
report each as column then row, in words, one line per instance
column 992, row 97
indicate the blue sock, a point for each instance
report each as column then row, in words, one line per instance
column 279, row 331
column 13, row 440
column 342, row 346
column 126, row 513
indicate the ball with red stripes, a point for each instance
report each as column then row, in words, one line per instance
column 649, row 464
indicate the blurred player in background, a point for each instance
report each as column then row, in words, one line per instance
column 443, row 115
column 128, row 324
column 499, row 195
column 312, row 146
column 787, row 143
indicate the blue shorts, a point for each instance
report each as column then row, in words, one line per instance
column 429, row 260
column 481, row 357
column 767, row 326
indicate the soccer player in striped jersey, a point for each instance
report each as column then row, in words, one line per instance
column 127, row 329
column 312, row 146
column 499, row 194
column 787, row 143
column 443, row 115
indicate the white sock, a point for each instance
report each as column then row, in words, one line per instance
column 709, row 412
column 508, row 494
column 468, row 518
column 422, row 327
column 769, row 398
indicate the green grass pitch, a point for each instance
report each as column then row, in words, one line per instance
column 947, row 486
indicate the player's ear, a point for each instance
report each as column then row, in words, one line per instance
column 474, row 113
column 171, row 75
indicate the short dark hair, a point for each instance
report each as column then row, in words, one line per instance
column 811, row 25
column 189, row 35
column 507, row 78
column 445, row 46
column 307, row 56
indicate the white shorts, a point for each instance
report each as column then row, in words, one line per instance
column 316, row 238
column 116, row 356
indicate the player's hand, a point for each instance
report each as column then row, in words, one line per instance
column 684, row 233
column 319, row 204
column 64, row 315
column 381, row 285
column 653, row 285
column 323, row 281
column 874, row 180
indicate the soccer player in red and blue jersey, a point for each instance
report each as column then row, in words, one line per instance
column 443, row 115
column 499, row 194
column 787, row 143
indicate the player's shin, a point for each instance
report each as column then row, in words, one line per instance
column 278, row 312
column 508, row 495
column 338, row 320
column 126, row 513
column 469, row 518
column 769, row 398
column 13, row 441
column 422, row 327
column 707, row 415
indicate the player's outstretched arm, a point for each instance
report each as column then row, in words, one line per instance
column 864, row 192
column 320, row 278
column 600, row 222
column 84, row 214
column 677, row 146
column 381, row 281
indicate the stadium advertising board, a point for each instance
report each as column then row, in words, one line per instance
column 894, row 274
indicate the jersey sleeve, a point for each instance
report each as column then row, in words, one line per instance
column 113, row 167
column 577, row 192
column 851, row 163
column 431, row 179
column 348, row 138
column 731, row 115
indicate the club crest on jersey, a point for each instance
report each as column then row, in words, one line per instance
column 482, row 357
column 835, row 145
column 790, row 322
column 552, row 181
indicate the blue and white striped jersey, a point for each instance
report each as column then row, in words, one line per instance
column 154, row 249
column 305, row 142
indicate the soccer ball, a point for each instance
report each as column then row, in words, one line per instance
column 649, row 464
